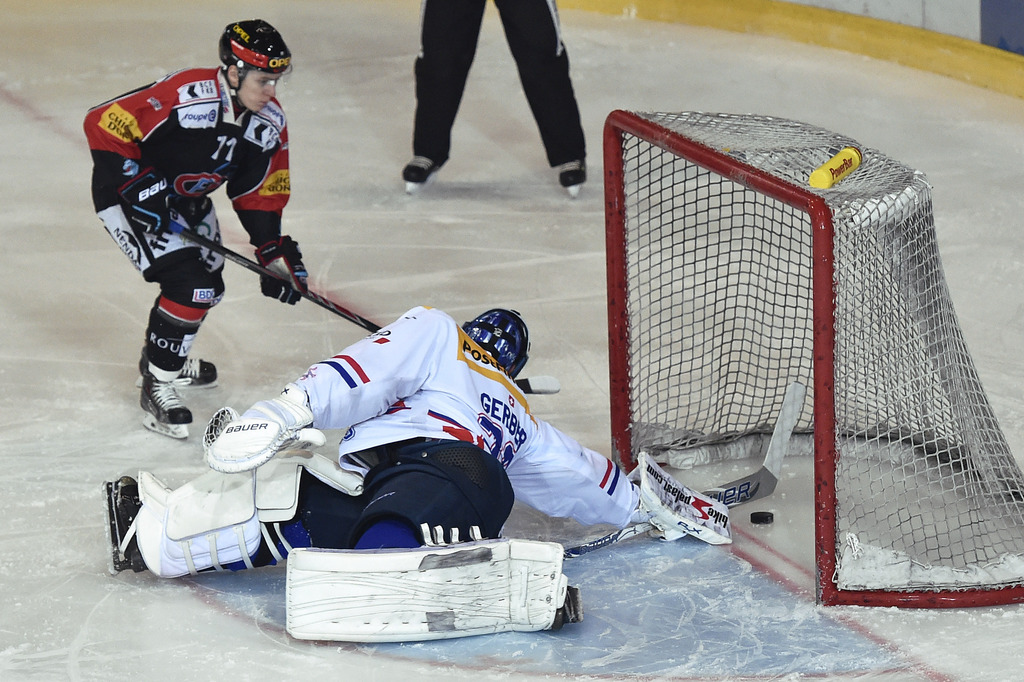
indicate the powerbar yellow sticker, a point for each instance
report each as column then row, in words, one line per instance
column 835, row 169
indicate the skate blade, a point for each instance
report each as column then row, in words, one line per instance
column 179, row 431
column 182, row 382
column 108, row 527
column 573, row 190
column 417, row 187
column 115, row 561
column 573, row 606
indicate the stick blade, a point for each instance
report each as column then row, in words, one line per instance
column 762, row 482
column 789, row 414
column 539, row 385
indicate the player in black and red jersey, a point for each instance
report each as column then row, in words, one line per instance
column 158, row 152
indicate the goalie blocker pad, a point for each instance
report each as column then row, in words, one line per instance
column 402, row 595
column 677, row 510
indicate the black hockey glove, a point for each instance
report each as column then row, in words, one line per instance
column 282, row 255
column 187, row 212
column 145, row 200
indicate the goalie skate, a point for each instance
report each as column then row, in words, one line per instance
column 571, row 610
column 122, row 498
column 165, row 413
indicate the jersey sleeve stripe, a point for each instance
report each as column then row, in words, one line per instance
column 360, row 377
column 355, row 367
column 336, row 364
column 342, row 371
column 611, row 471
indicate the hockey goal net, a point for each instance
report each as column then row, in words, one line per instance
column 729, row 277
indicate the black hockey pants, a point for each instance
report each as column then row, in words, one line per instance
column 449, row 35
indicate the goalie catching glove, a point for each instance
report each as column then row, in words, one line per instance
column 242, row 443
column 675, row 510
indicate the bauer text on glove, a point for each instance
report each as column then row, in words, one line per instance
column 263, row 430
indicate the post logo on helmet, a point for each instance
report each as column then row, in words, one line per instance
column 254, row 44
column 503, row 334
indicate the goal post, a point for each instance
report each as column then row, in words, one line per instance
column 731, row 276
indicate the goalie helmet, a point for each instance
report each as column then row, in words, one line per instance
column 254, row 44
column 503, row 334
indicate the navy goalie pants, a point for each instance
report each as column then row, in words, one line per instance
column 450, row 484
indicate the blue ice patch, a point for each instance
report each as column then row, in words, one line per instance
column 651, row 608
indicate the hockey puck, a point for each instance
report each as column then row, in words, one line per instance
column 762, row 518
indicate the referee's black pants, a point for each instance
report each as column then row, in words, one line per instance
column 449, row 33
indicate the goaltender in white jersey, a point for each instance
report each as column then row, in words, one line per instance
column 423, row 376
column 439, row 442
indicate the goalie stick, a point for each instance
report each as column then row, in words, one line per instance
column 538, row 385
column 762, row 482
column 755, row 486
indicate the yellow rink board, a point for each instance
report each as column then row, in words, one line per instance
column 958, row 58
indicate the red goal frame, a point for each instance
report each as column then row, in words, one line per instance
column 621, row 123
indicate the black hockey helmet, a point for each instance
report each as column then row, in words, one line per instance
column 254, row 44
column 503, row 334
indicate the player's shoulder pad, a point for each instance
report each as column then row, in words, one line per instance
column 266, row 129
column 273, row 113
column 419, row 318
column 424, row 315
column 182, row 84
column 199, row 99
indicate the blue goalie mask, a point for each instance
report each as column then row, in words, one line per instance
column 503, row 334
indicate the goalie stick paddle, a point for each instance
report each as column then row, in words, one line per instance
column 762, row 482
column 534, row 385
column 755, row 486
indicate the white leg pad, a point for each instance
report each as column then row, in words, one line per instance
column 206, row 522
column 170, row 558
column 399, row 595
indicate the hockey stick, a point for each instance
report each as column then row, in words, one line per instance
column 755, row 486
column 762, row 482
column 610, row 539
column 252, row 265
column 534, row 385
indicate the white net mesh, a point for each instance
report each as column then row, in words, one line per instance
column 720, row 320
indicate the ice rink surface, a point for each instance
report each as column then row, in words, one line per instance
column 495, row 229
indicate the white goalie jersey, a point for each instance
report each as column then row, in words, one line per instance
column 422, row 376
